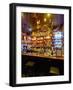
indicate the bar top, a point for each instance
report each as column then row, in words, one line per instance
column 44, row 56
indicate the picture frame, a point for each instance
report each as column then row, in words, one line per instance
column 40, row 44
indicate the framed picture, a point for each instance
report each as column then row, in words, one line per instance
column 40, row 44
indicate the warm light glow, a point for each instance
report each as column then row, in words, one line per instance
column 34, row 38
column 24, row 37
column 48, row 37
column 38, row 22
column 45, row 19
column 48, row 15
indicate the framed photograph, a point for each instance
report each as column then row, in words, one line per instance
column 40, row 44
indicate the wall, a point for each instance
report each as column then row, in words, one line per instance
column 4, row 45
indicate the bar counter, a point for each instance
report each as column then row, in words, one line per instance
column 44, row 56
column 41, row 66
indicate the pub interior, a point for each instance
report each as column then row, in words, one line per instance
column 42, row 44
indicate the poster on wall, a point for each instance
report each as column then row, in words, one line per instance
column 40, row 44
